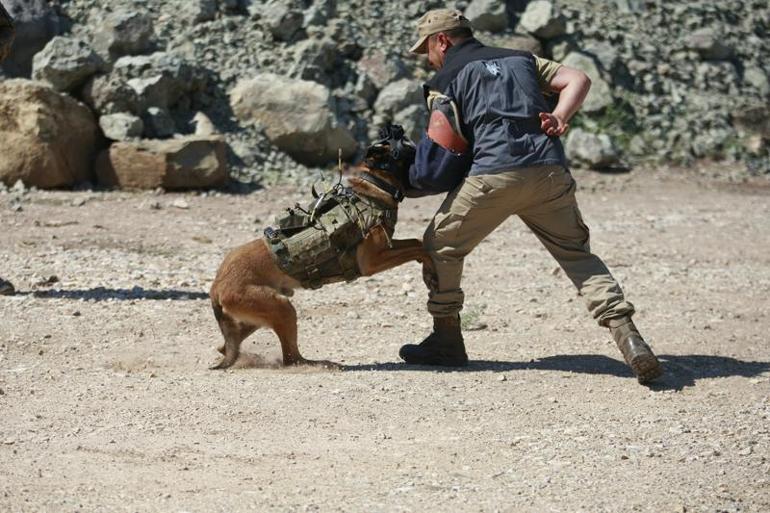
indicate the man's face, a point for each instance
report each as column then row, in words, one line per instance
column 438, row 44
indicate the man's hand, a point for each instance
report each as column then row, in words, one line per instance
column 552, row 125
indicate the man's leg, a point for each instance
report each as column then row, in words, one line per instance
column 467, row 216
column 558, row 224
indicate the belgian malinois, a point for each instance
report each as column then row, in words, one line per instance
column 251, row 290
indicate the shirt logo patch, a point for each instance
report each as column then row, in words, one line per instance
column 493, row 68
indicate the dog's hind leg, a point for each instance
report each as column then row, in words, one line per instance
column 259, row 306
column 284, row 323
column 234, row 333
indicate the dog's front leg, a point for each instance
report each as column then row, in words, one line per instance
column 375, row 255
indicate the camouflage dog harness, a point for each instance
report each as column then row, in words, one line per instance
column 317, row 245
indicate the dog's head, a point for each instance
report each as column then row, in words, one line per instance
column 392, row 152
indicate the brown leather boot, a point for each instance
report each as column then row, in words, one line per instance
column 636, row 352
column 445, row 346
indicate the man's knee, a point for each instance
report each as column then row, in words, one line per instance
column 441, row 235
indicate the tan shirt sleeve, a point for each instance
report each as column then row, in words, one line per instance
column 546, row 70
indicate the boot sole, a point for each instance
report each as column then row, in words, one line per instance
column 434, row 360
column 647, row 368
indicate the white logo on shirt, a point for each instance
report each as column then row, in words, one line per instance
column 493, row 68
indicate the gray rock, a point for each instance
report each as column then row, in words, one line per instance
column 65, row 63
column 185, row 163
column 543, row 19
column 282, row 19
column 594, row 150
column 381, row 68
column 520, row 42
column 121, row 126
column 757, row 78
column 559, row 47
column 314, row 59
column 157, row 90
column 398, row 96
column 364, row 93
column 110, row 94
column 160, row 79
column 36, row 23
column 319, row 12
column 230, row 6
column 753, row 119
column 298, row 116
column 605, row 54
column 158, row 123
column 600, row 95
column 489, row 15
column 709, row 143
column 709, row 44
column 414, row 119
column 198, row 11
column 629, row 6
column 203, row 125
column 123, row 33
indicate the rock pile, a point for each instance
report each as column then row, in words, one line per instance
column 289, row 82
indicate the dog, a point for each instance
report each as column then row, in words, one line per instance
column 252, row 287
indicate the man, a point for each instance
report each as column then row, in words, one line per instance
column 493, row 145
column 7, row 33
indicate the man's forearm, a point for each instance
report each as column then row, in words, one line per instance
column 571, row 97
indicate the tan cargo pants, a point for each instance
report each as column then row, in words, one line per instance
column 544, row 198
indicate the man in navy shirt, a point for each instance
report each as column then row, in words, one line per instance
column 493, row 144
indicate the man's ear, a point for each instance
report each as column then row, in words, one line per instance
column 444, row 42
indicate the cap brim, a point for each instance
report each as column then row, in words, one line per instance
column 421, row 46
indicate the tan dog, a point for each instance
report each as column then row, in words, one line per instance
column 251, row 290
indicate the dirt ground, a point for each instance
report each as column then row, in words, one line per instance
column 106, row 402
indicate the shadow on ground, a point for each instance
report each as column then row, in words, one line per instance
column 104, row 294
column 680, row 370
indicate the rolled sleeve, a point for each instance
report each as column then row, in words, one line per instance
column 546, row 70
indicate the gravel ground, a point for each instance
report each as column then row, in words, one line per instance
column 107, row 403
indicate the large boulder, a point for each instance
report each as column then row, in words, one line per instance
column 65, row 63
column 140, row 82
column 186, row 163
column 543, row 19
column 47, row 139
column 123, row 33
column 399, row 95
column 36, row 23
column 593, row 150
column 298, row 116
column 600, row 95
column 489, row 15
column 160, row 79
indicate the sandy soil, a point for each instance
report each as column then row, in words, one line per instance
column 106, row 402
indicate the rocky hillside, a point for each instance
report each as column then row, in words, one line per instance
column 288, row 83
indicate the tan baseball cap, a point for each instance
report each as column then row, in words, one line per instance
column 435, row 21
